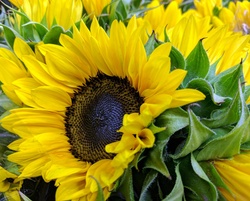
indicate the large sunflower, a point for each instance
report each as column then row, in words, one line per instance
column 51, row 12
column 87, row 106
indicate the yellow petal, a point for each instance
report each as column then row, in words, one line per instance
column 185, row 96
column 21, row 48
column 39, row 72
column 51, row 98
column 146, row 138
column 11, row 71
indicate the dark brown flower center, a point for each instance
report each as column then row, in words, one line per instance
column 96, row 114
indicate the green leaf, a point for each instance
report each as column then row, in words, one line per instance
column 197, row 134
column 224, row 146
column 24, row 197
column 206, row 88
column 173, row 120
column 212, row 71
column 195, row 179
column 100, row 196
column 213, row 175
column 212, row 101
column 155, row 159
column 155, row 129
column 6, row 103
column 10, row 35
column 149, row 179
column 226, row 83
column 244, row 109
column 197, row 63
column 126, row 185
column 177, row 59
column 247, row 92
column 27, row 30
column 53, row 35
column 151, row 44
column 177, row 192
column 245, row 146
column 226, row 115
column 40, row 29
column 118, row 11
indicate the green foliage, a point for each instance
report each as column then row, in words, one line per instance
column 197, row 184
column 215, row 128
column 197, row 63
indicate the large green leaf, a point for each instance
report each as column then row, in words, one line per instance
column 173, row 120
column 118, row 11
column 197, row 63
column 53, row 35
column 38, row 29
column 177, row 192
column 10, row 35
column 226, row 83
column 197, row 134
column 177, row 59
column 195, row 179
column 223, row 146
column 155, row 159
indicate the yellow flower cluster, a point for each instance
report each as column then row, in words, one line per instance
column 88, row 75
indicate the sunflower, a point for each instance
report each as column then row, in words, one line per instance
column 51, row 11
column 95, row 8
column 7, row 187
column 16, row 71
column 205, row 8
column 88, row 105
column 222, row 43
column 235, row 173
column 158, row 17
column 236, row 15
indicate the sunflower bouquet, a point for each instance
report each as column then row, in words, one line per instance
column 124, row 100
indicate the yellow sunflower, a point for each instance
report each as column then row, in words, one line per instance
column 158, row 17
column 17, row 74
column 87, row 106
column 205, row 8
column 7, row 187
column 222, row 41
column 61, row 12
column 95, row 7
column 235, row 173
column 236, row 15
